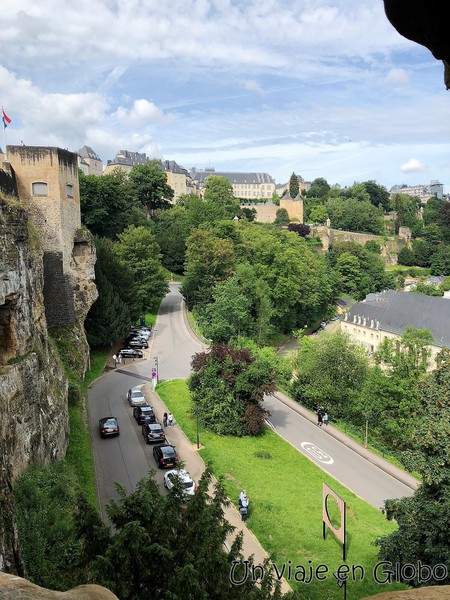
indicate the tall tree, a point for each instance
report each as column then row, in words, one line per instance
column 209, row 260
column 378, row 194
column 219, row 192
column 228, row 386
column 294, row 186
column 139, row 251
column 423, row 518
column 319, row 188
column 281, row 217
column 162, row 548
column 149, row 186
column 331, row 371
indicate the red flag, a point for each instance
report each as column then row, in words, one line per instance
column 6, row 120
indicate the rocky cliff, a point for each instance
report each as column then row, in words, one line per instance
column 33, row 386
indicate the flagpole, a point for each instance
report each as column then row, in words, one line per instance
column 4, row 140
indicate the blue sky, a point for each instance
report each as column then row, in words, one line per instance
column 320, row 87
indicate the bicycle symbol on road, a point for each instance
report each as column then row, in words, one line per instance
column 317, row 453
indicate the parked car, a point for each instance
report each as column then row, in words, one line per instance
column 135, row 397
column 144, row 332
column 136, row 342
column 144, row 414
column 186, row 480
column 108, row 426
column 130, row 353
column 153, row 433
column 165, row 456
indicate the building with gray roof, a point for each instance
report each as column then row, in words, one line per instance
column 386, row 316
column 247, row 186
column 91, row 159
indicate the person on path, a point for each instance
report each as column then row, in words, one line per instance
column 326, row 418
column 242, row 495
column 170, row 419
column 319, row 417
column 115, row 360
column 119, row 359
column 165, row 420
column 244, row 507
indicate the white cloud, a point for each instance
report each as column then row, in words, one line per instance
column 413, row 166
column 252, row 86
column 142, row 113
column 397, row 77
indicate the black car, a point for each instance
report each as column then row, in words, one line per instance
column 165, row 456
column 108, row 426
column 136, row 342
column 144, row 414
column 153, row 433
column 130, row 353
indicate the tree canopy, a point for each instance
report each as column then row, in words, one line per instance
column 149, row 186
column 228, row 384
column 294, row 187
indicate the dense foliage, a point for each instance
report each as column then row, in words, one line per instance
column 423, row 518
column 228, row 385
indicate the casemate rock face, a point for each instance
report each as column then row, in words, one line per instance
column 16, row 588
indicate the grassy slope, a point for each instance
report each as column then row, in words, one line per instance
column 286, row 497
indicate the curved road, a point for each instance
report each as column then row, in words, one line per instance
column 126, row 459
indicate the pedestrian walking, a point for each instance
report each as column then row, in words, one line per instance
column 242, row 495
column 165, row 419
column 119, row 359
column 115, row 360
column 319, row 417
column 244, row 507
column 170, row 419
column 326, row 418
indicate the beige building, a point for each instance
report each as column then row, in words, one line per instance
column 125, row 161
column 46, row 182
column 90, row 161
column 246, row 186
column 179, row 179
column 386, row 315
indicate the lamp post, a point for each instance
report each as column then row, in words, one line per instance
column 198, row 436
column 367, row 415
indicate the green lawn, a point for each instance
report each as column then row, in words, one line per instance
column 285, row 489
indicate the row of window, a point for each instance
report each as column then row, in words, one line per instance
column 40, row 188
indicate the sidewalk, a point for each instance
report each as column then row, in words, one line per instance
column 195, row 465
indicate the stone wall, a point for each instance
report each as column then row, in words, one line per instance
column 33, row 387
column 390, row 246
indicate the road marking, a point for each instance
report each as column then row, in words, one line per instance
column 269, row 423
column 317, row 453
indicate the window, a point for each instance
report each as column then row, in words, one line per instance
column 69, row 190
column 39, row 188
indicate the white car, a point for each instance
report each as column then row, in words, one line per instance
column 186, row 481
column 135, row 397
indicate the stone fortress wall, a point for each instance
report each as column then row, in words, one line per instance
column 390, row 245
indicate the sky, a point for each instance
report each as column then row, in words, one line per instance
column 322, row 88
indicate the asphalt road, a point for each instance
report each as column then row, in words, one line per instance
column 126, row 459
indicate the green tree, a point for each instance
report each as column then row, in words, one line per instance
column 422, row 252
column 319, row 188
column 228, row 387
column 422, row 519
column 331, row 371
column 172, row 230
column 241, row 307
column 407, row 357
column 440, row 261
column 349, row 272
column 406, row 256
column 281, row 217
column 106, row 202
column 151, row 530
column 350, row 214
column 378, row 194
column 294, row 186
column 209, row 260
column 407, row 208
column 139, row 251
column 426, row 289
column 149, row 186
column 219, row 192
column 318, row 214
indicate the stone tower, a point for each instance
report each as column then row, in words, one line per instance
column 47, row 185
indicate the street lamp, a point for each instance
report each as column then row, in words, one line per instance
column 367, row 416
column 198, row 436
